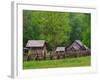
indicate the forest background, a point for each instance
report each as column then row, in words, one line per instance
column 56, row 28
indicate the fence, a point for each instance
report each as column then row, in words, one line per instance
column 60, row 55
column 78, row 53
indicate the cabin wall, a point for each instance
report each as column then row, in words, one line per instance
column 45, row 51
column 57, row 55
column 37, row 53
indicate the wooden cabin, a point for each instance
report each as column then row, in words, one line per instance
column 77, row 45
column 77, row 48
column 59, row 53
column 37, row 49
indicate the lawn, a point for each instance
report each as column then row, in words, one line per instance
column 67, row 62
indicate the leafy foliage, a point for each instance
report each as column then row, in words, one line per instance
column 80, row 23
column 57, row 28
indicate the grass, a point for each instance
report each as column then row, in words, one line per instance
column 67, row 62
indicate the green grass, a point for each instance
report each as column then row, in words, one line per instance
column 68, row 62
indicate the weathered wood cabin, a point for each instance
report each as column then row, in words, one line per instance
column 77, row 45
column 77, row 48
column 37, row 49
column 59, row 53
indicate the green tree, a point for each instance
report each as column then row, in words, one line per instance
column 50, row 26
column 57, row 28
column 80, row 23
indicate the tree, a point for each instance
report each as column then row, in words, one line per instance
column 50, row 26
column 57, row 28
column 80, row 23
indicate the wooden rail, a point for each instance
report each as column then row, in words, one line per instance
column 59, row 55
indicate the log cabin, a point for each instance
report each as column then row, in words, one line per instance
column 77, row 45
column 58, row 53
column 37, row 49
column 77, row 48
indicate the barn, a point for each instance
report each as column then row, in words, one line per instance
column 37, row 49
column 77, row 48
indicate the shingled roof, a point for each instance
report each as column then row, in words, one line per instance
column 77, row 46
column 35, row 43
column 60, row 49
column 81, row 44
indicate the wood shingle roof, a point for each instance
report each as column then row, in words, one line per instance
column 35, row 43
column 60, row 49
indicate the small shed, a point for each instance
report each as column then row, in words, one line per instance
column 37, row 49
column 60, row 51
column 25, row 53
column 25, row 50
